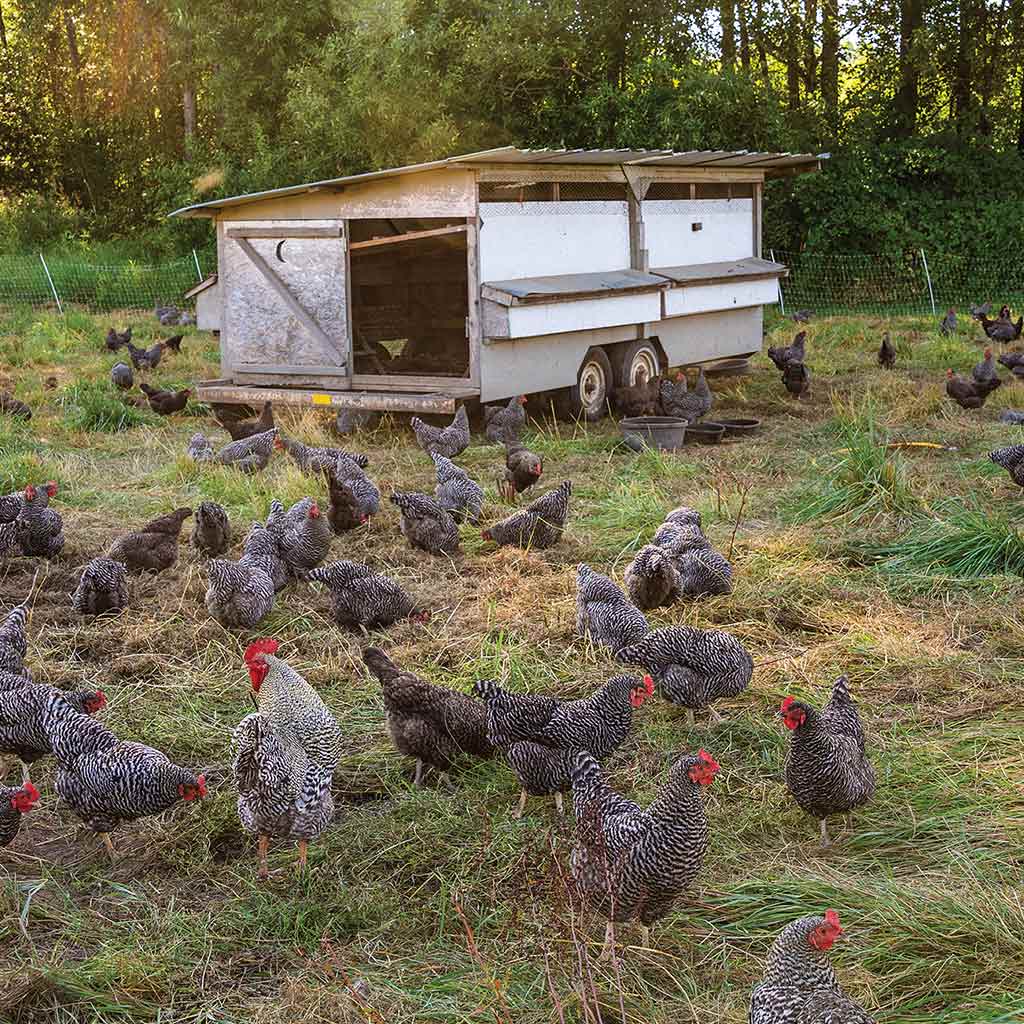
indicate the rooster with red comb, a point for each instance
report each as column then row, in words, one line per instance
column 285, row 755
column 799, row 984
column 13, row 804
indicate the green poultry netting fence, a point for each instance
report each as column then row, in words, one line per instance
column 911, row 282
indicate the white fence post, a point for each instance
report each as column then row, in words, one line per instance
column 199, row 271
column 53, row 287
column 928, row 278
column 778, row 284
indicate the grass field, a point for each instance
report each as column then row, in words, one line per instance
column 898, row 566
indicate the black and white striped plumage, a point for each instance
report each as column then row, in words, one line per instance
column 539, row 525
column 425, row 524
column 502, row 423
column 799, row 985
column 431, row 723
column 14, row 802
column 250, row 454
column 11, row 536
column 827, row 767
column 651, row 579
column 211, row 529
column 598, row 723
column 700, row 569
column 199, row 448
column 122, row 377
column 14, row 641
column 240, row 594
column 354, row 496
column 25, row 715
column 456, row 492
column 692, row 667
column 42, row 533
column 263, row 542
column 603, row 611
column 315, row 461
column 1011, row 459
column 682, row 516
column 107, row 781
column 102, row 587
column 153, row 547
column 541, row 770
column 632, row 863
column 448, row 441
column 305, row 537
column 363, row 598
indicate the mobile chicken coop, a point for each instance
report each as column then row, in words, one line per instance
column 489, row 275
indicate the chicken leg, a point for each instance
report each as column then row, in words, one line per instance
column 417, row 780
column 264, row 871
column 518, row 812
column 645, row 936
column 559, row 803
column 109, row 845
column 825, row 841
column 303, row 847
column 608, row 950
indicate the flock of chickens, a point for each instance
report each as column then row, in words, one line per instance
column 631, row 863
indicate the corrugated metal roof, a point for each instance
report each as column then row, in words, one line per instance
column 552, row 286
column 773, row 164
column 750, row 266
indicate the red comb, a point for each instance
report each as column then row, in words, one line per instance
column 709, row 760
column 201, row 781
column 832, row 919
column 649, row 685
column 51, row 487
column 30, row 791
column 786, row 704
column 265, row 646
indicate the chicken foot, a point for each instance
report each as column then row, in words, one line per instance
column 608, row 949
column 825, row 841
column 518, row 812
column 264, row 871
column 559, row 803
column 303, row 847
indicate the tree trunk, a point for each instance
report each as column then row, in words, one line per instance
column 793, row 60
column 830, row 62
column 961, row 93
column 188, row 103
column 3, row 27
column 1020, row 115
column 810, row 50
column 762, row 53
column 741, row 10
column 727, row 10
column 905, row 103
column 76, row 59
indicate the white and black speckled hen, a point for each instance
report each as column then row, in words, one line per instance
column 425, row 524
column 102, row 588
column 539, row 525
column 456, row 492
column 447, row 441
column 362, row 598
column 604, row 613
column 14, row 802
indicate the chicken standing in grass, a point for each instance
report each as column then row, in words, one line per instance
column 632, row 863
column 887, row 353
column 523, row 469
column 354, row 497
column 435, row 725
column 690, row 404
column 14, row 802
column 304, row 537
column 539, row 525
column 1011, row 459
column 799, row 985
column 447, row 441
column 425, row 524
column 315, row 461
column 603, row 611
column 240, row 594
column 122, row 377
column 154, row 547
column 827, row 767
column 286, row 755
column 249, row 454
column 42, row 529
column 796, row 378
column 211, row 529
column 1003, row 329
column 984, row 373
column 1014, row 362
column 966, row 393
column 652, row 580
column 456, row 492
column 116, row 340
column 14, row 642
column 947, row 325
column 145, row 359
column 693, row 667
column 236, row 421
column 364, row 599
column 502, row 423
column 102, row 588
column 794, row 352
column 701, row 571
column 164, row 403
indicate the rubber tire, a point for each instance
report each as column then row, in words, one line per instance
column 573, row 405
column 634, row 355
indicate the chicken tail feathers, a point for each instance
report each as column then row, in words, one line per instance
column 486, row 689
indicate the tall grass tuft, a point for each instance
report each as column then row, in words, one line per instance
column 92, row 406
column 865, row 479
column 962, row 542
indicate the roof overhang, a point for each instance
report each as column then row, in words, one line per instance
column 774, row 165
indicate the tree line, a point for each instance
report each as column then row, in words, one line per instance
column 113, row 112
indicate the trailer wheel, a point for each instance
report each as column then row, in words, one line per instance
column 636, row 363
column 588, row 400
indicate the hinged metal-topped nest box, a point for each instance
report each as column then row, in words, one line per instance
column 498, row 273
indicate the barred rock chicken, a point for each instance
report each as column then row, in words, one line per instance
column 362, row 598
column 1013, row 361
column 948, row 323
column 102, row 588
column 603, row 611
column 354, row 496
column 523, row 469
column 827, row 768
column 539, row 525
column 965, row 393
column 456, row 492
column 535, row 734
column 887, row 353
column 145, row 359
column 249, row 455
column 211, row 529
column 984, row 373
column 791, row 353
column 240, row 429
column 632, row 863
column 700, row 569
column 431, row 723
column 315, row 460
column 682, row 516
column 1003, row 329
column 799, row 985
column 690, row 405
column 14, row 802
column 12, row 534
column 121, row 376
column 447, row 441
column 265, row 541
column 693, row 667
column 24, row 714
column 1012, row 460
column 14, row 642
column 107, row 781
column 240, row 594
column 425, row 524
column 503, row 423
column 42, row 532
column 651, row 579
column 154, row 547
column 796, row 378
column 163, row 403
column 116, row 340
column 304, row 538
column 641, row 399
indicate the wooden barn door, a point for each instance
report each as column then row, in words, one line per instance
column 285, row 303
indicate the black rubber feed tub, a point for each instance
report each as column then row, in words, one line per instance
column 665, row 432
column 740, row 427
column 704, row 433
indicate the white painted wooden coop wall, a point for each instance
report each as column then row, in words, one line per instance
column 726, row 230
